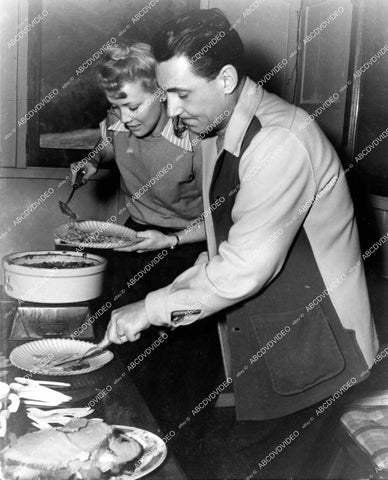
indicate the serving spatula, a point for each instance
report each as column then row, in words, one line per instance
column 92, row 352
column 64, row 206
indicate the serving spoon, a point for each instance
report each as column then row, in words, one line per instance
column 64, row 206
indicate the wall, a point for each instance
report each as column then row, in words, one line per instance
column 268, row 30
column 36, row 230
column 315, row 69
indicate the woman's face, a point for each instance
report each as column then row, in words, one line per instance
column 139, row 110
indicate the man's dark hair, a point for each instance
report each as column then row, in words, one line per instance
column 206, row 38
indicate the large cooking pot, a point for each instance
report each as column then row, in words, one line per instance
column 54, row 276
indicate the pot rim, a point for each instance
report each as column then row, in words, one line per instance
column 54, row 272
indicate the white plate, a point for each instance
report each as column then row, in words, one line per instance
column 155, row 452
column 94, row 228
column 35, row 356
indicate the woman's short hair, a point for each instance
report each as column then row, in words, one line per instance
column 127, row 63
column 205, row 38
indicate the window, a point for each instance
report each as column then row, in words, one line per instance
column 65, row 104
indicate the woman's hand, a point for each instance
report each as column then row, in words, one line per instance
column 126, row 324
column 75, row 167
column 152, row 240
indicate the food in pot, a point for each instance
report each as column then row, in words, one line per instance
column 82, row 449
column 36, row 262
column 58, row 264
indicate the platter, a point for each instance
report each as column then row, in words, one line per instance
column 37, row 356
column 95, row 234
column 155, row 452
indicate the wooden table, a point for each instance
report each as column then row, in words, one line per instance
column 114, row 397
column 108, row 390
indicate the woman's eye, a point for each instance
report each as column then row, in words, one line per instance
column 182, row 95
column 133, row 109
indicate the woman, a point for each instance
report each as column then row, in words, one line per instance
column 160, row 172
column 161, row 179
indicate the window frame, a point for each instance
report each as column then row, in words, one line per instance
column 38, row 156
column 15, row 88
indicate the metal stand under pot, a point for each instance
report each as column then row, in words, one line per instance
column 53, row 289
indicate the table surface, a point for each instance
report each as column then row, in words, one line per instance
column 121, row 404
column 115, row 399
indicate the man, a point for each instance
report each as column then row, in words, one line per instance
column 283, row 244
column 141, row 138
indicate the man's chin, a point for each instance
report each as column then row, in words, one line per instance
column 202, row 131
column 195, row 128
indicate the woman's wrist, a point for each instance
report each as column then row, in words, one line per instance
column 175, row 241
column 95, row 162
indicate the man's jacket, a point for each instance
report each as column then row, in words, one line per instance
column 284, row 261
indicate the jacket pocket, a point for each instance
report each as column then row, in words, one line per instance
column 300, row 352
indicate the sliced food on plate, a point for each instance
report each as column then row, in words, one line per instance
column 82, row 449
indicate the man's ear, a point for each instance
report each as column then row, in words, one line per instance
column 229, row 77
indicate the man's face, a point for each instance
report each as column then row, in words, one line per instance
column 138, row 109
column 197, row 100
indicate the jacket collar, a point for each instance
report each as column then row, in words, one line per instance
column 245, row 109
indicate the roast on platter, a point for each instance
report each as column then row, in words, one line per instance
column 82, row 449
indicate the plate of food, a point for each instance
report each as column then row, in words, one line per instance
column 95, row 234
column 84, row 449
column 41, row 357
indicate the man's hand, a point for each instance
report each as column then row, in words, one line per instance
column 77, row 166
column 125, row 324
column 153, row 240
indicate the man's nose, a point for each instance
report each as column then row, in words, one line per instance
column 174, row 108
